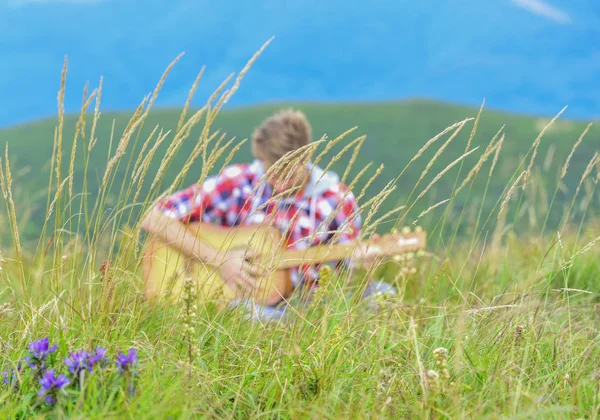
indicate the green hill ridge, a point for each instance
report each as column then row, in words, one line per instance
column 395, row 132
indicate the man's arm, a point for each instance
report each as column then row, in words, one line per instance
column 174, row 233
column 167, row 221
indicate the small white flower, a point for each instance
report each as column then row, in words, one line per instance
column 432, row 374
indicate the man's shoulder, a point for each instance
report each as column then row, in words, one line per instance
column 236, row 171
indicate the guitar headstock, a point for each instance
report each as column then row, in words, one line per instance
column 399, row 243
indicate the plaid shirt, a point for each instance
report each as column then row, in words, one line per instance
column 235, row 198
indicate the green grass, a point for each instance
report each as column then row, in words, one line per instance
column 512, row 300
column 341, row 359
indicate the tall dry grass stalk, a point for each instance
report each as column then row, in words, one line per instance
column 588, row 170
column 575, row 146
column 56, row 198
column 220, row 150
column 61, row 118
column 58, row 165
column 511, row 191
column 560, row 185
column 431, row 141
column 134, row 123
column 420, row 152
column 536, row 144
column 200, row 146
column 447, row 211
column 188, row 101
column 352, row 160
column 211, row 115
column 583, row 250
column 79, row 129
column 440, row 152
column 595, row 160
column 475, row 126
column 6, row 185
column 430, row 209
column 96, row 118
column 467, row 147
column 377, row 201
column 457, row 127
column 243, row 72
column 355, row 143
column 443, row 172
column 204, row 136
column 145, row 165
column 143, row 156
column 492, row 148
column 178, row 140
column 496, row 155
column 382, row 219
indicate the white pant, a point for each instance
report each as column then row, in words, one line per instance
column 265, row 313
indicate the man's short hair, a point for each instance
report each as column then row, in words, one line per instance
column 282, row 133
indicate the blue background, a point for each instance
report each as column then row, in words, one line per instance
column 509, row 52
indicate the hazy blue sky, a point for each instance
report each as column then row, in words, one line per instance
column 533, row 56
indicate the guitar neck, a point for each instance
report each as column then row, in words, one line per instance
column 386, row 246
column 315, row 255
column 312, row 255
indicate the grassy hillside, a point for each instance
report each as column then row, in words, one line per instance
column 395, row 132
column 500, row 322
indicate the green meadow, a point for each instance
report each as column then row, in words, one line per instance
column 498, row 318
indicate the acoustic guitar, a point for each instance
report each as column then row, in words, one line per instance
column 165, row 268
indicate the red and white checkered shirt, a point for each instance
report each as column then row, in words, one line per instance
column 239, row 196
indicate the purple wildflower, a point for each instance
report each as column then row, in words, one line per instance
column 126, row 362
column 51, row 385
column 42, row 348
column 7, row 376
column 10, row 377
column 38, row 351
column 98, row 357
column 78, row 362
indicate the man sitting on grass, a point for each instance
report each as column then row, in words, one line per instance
column 309, row 206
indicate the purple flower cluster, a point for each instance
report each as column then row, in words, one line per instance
column 82, row 360
column 98, row 358
column 78, row 362
column 53, row 383
column 10, row 377
column 38, row 353
column 127, row 362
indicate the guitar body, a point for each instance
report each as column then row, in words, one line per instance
column 165, row 268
